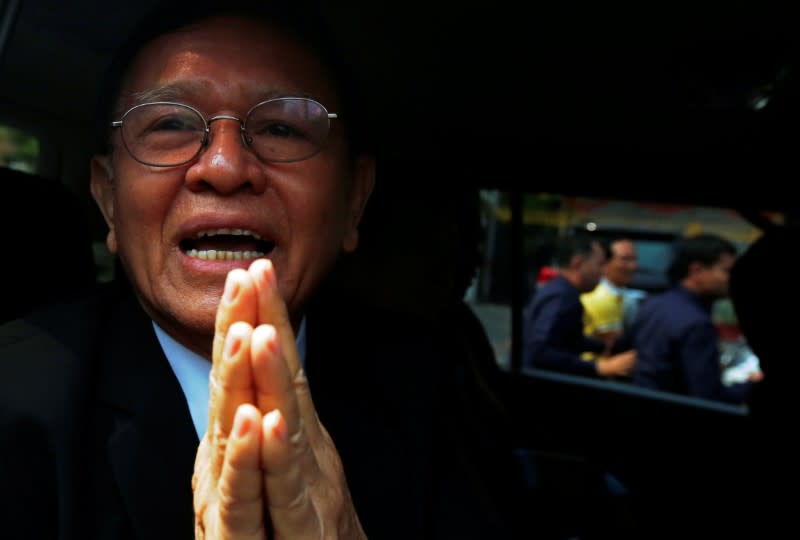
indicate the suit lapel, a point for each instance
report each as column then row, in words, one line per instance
column 151, row 441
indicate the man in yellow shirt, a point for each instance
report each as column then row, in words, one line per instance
column 604, row 306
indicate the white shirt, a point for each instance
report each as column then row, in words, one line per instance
column 192, row 371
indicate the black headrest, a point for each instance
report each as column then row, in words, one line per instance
column 47, row 245
column 764, row 291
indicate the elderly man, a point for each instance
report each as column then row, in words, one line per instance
column 231, row 182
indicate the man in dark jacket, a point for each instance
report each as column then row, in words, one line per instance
column 674, row 333
column 231, row 179
column 553, row 321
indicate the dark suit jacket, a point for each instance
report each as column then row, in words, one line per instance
column 553, row 330
column 677, row 348
column 96, row 440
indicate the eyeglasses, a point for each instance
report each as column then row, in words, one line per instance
column 167, row 134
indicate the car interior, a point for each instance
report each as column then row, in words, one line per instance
column 498, row 128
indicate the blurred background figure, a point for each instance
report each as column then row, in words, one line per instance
column 674, row 333
column 607, row 306
column 553, row 335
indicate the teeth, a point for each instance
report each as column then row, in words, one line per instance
column 219, row 255
column 233, row 232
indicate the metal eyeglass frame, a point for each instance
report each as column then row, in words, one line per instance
column 207, row 127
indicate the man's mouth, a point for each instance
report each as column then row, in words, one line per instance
column 226, row 245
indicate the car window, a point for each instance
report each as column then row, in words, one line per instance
column 547, row 218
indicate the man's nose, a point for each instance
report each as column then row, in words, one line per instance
column 226, row 164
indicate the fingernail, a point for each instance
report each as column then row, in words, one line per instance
column 272, row 423
column 231, row 289
column 232, row 344
column 271, row 337
column 242, row 427
column 269, row 273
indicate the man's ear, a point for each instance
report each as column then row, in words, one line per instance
column 102, row 187
column 576, row 261
column 363, row 184
column 694, row 269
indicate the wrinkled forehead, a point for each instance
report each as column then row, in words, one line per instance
column 228, row 54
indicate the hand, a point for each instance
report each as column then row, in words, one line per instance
column 266, row 463
column 618, row 365
column 756, row 376
column 609, row 337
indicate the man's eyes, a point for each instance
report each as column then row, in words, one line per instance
column 174, row 123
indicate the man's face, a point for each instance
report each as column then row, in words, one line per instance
column 622, row 265
column 591, row 268
column 714, row 279
column 304, row 213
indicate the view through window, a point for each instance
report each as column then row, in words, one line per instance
column 548, row 219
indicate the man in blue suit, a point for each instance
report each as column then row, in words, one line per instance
column 674, row 333
column 553, row 320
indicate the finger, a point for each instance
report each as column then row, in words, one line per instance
column 239, row 302
column 272, row 310
column 201, row 481
column 290, row 472
column 241, row 504
column 274, row 388
column 231, row 386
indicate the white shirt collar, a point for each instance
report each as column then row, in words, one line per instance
column 192, row 371
column 613, row 288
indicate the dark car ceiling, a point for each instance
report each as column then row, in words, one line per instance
column 657, row 95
